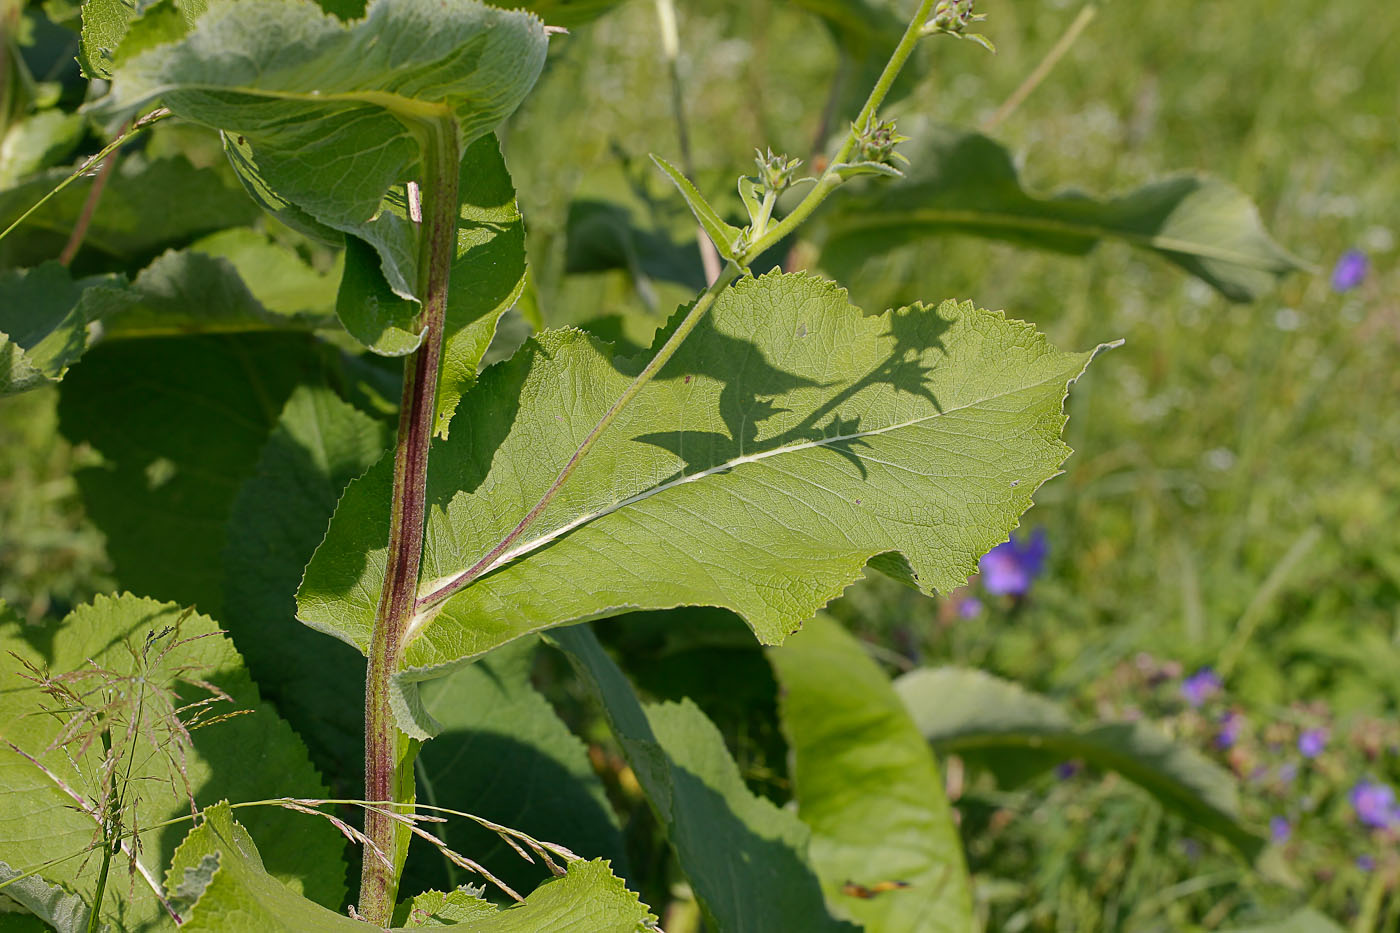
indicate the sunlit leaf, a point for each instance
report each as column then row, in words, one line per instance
column 865, row 781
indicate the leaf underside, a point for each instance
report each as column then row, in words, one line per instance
column 790, row 440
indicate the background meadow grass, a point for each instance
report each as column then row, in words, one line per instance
column 1234, row 499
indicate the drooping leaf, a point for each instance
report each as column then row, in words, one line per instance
column 973, row 714
column 745, row 858
column 127, row 642
column 60, row 909
column 276, row 520
column 960, row 181
column 179, row 422
column 488, row 275
column 241, row 896
column 790, row 440
column 867, row 784
column 334, row 156
column 42, row 330
column 505, row 755
column 146, row 207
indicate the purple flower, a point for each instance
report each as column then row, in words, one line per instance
column 1067, row 769
column 970, row 608
column 1374, row 804
column 1312, row 742
column 1350, row 270
column 1280, row 829
column 1230, row 725
column 1287, row 772
column 1009, row 568
column 1366, row 862
column 1200, row 686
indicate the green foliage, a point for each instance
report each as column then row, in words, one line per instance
column 334, row 156
column 964, row 182
column 866, row 783
column 118, row 677
column 995, row 723
column 815, row 450
column 711, row 819
column 42, row 331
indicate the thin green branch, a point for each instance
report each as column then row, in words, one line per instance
column 830, row 179
column 1042, row 70
column 155, row 116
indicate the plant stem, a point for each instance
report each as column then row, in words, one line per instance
column 383, row 744
column 153, row 117
column 830, row 180
column 99, row 184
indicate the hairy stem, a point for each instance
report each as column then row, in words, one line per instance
column 99, row 184
column 385, row 749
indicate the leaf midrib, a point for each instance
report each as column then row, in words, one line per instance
column 405, row 108
column 534, row 544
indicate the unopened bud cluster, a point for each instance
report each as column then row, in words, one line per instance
column 775, row 172
column 876, row 142
column 952, row 17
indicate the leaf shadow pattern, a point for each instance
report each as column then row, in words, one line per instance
column 753, row 396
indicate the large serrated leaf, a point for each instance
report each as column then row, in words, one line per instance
column 42, row 329
column 790, row 440
column 712, row 820
column 247, row 757
column 328, row 116
column 866, row 783
column 960, row 181
column 975, row 714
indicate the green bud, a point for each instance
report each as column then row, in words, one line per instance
column 775, row 172
column 876, row 142
column 952, row 17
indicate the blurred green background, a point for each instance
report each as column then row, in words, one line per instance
column 1234, row 495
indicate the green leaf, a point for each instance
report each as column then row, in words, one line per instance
column 494, row 723
column 334, row 155
column 565, row 13
column 868, row 786
column 963, row 182
column 241, row 896
column 146, row 207
column 36, row 143
column 789, row 441
column 51, row 794
column 60, row 909
column 745, row 858
column 42, row 329
column 724, row 236
column 276, row 520
column 588, row 899
column 972, row 714
column 488, row 275
column 179, row 423
column 437, row 909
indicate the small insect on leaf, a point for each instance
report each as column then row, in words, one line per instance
column 866, row 893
